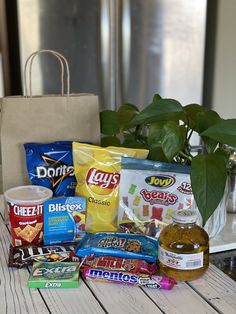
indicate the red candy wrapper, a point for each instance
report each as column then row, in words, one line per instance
column 121, row 277
column 119, row 264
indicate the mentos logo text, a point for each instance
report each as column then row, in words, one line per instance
column 103, row 179
column 163, row 181
column 32, row 210
column 159, row 197
column 64, row 207
column 112, row 275
column 50, row 172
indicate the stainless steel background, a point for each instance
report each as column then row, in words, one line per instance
column 123, row 50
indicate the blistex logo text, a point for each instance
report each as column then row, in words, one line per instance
column 58, row 207
column 160, row 181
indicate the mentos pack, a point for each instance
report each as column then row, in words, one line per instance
column 64, row 220
column 149, row 193
column 51, row 165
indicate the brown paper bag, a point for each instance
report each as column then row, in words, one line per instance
column 43, row 119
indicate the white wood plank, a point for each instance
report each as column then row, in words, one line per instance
column 181, row 299
column 15, row 297
column 78, row 300
column 117, row 298
column 218, row 289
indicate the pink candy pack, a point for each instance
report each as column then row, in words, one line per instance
column 149, row 193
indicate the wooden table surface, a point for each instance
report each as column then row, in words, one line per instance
column 213, row 293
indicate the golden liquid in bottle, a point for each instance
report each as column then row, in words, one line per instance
column 185, row 238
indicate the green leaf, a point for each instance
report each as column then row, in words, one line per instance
column 191, row 112
column 156, row 98
column 208, row 178
column 205, row 119
column 155, row 132
column 156, row 153
column 109, row 122
column 224, row 132
column 163, row 109
column 126, row 113
column 110, row 141
column 173, row 139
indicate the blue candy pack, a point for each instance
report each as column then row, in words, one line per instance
column 64, row 219
column 51, row 165
column 118, row 245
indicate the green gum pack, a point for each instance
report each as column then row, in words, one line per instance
column 54, row 275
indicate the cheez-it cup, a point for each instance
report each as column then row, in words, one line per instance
column 25, row 207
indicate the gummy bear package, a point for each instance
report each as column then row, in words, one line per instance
column 149, row 192
column 97, row 171
column 51, row 165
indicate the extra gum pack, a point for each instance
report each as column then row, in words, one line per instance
column 149, row 192
column 54, row 275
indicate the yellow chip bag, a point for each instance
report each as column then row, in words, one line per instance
column 97, row 172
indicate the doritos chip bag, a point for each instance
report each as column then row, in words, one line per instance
column 97, row 171
column 51, row 165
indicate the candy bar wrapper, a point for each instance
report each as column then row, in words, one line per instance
column 26, row 255
column 120, row 264
column 131, row 246
column 121, row 277
column 149, row 193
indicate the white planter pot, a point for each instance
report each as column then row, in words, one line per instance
column 218, row 219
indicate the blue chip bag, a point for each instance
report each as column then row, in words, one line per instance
column 64, row 220
column 51, row 165
column 118, row 245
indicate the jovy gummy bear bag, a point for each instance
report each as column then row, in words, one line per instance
column 149, row 192
column 97, row 172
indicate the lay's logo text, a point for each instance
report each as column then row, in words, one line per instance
column 161, row 181
column 104, row 180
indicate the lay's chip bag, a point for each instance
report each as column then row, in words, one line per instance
column 97, row 172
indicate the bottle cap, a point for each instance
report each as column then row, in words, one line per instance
column 184, row 216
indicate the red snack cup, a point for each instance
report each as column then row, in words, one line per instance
column 25, row 207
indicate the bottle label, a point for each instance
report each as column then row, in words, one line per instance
column 180, row 261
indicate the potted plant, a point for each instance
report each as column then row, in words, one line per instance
column 166, row 127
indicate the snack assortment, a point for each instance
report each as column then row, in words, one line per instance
column 149, row 193
column 97, row 172
column 64, row 220
column 51, row 165
column 107, row 227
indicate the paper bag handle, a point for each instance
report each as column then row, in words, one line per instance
column 61, row 59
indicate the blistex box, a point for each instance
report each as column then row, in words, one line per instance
column 64, row 220
column 54, row 275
